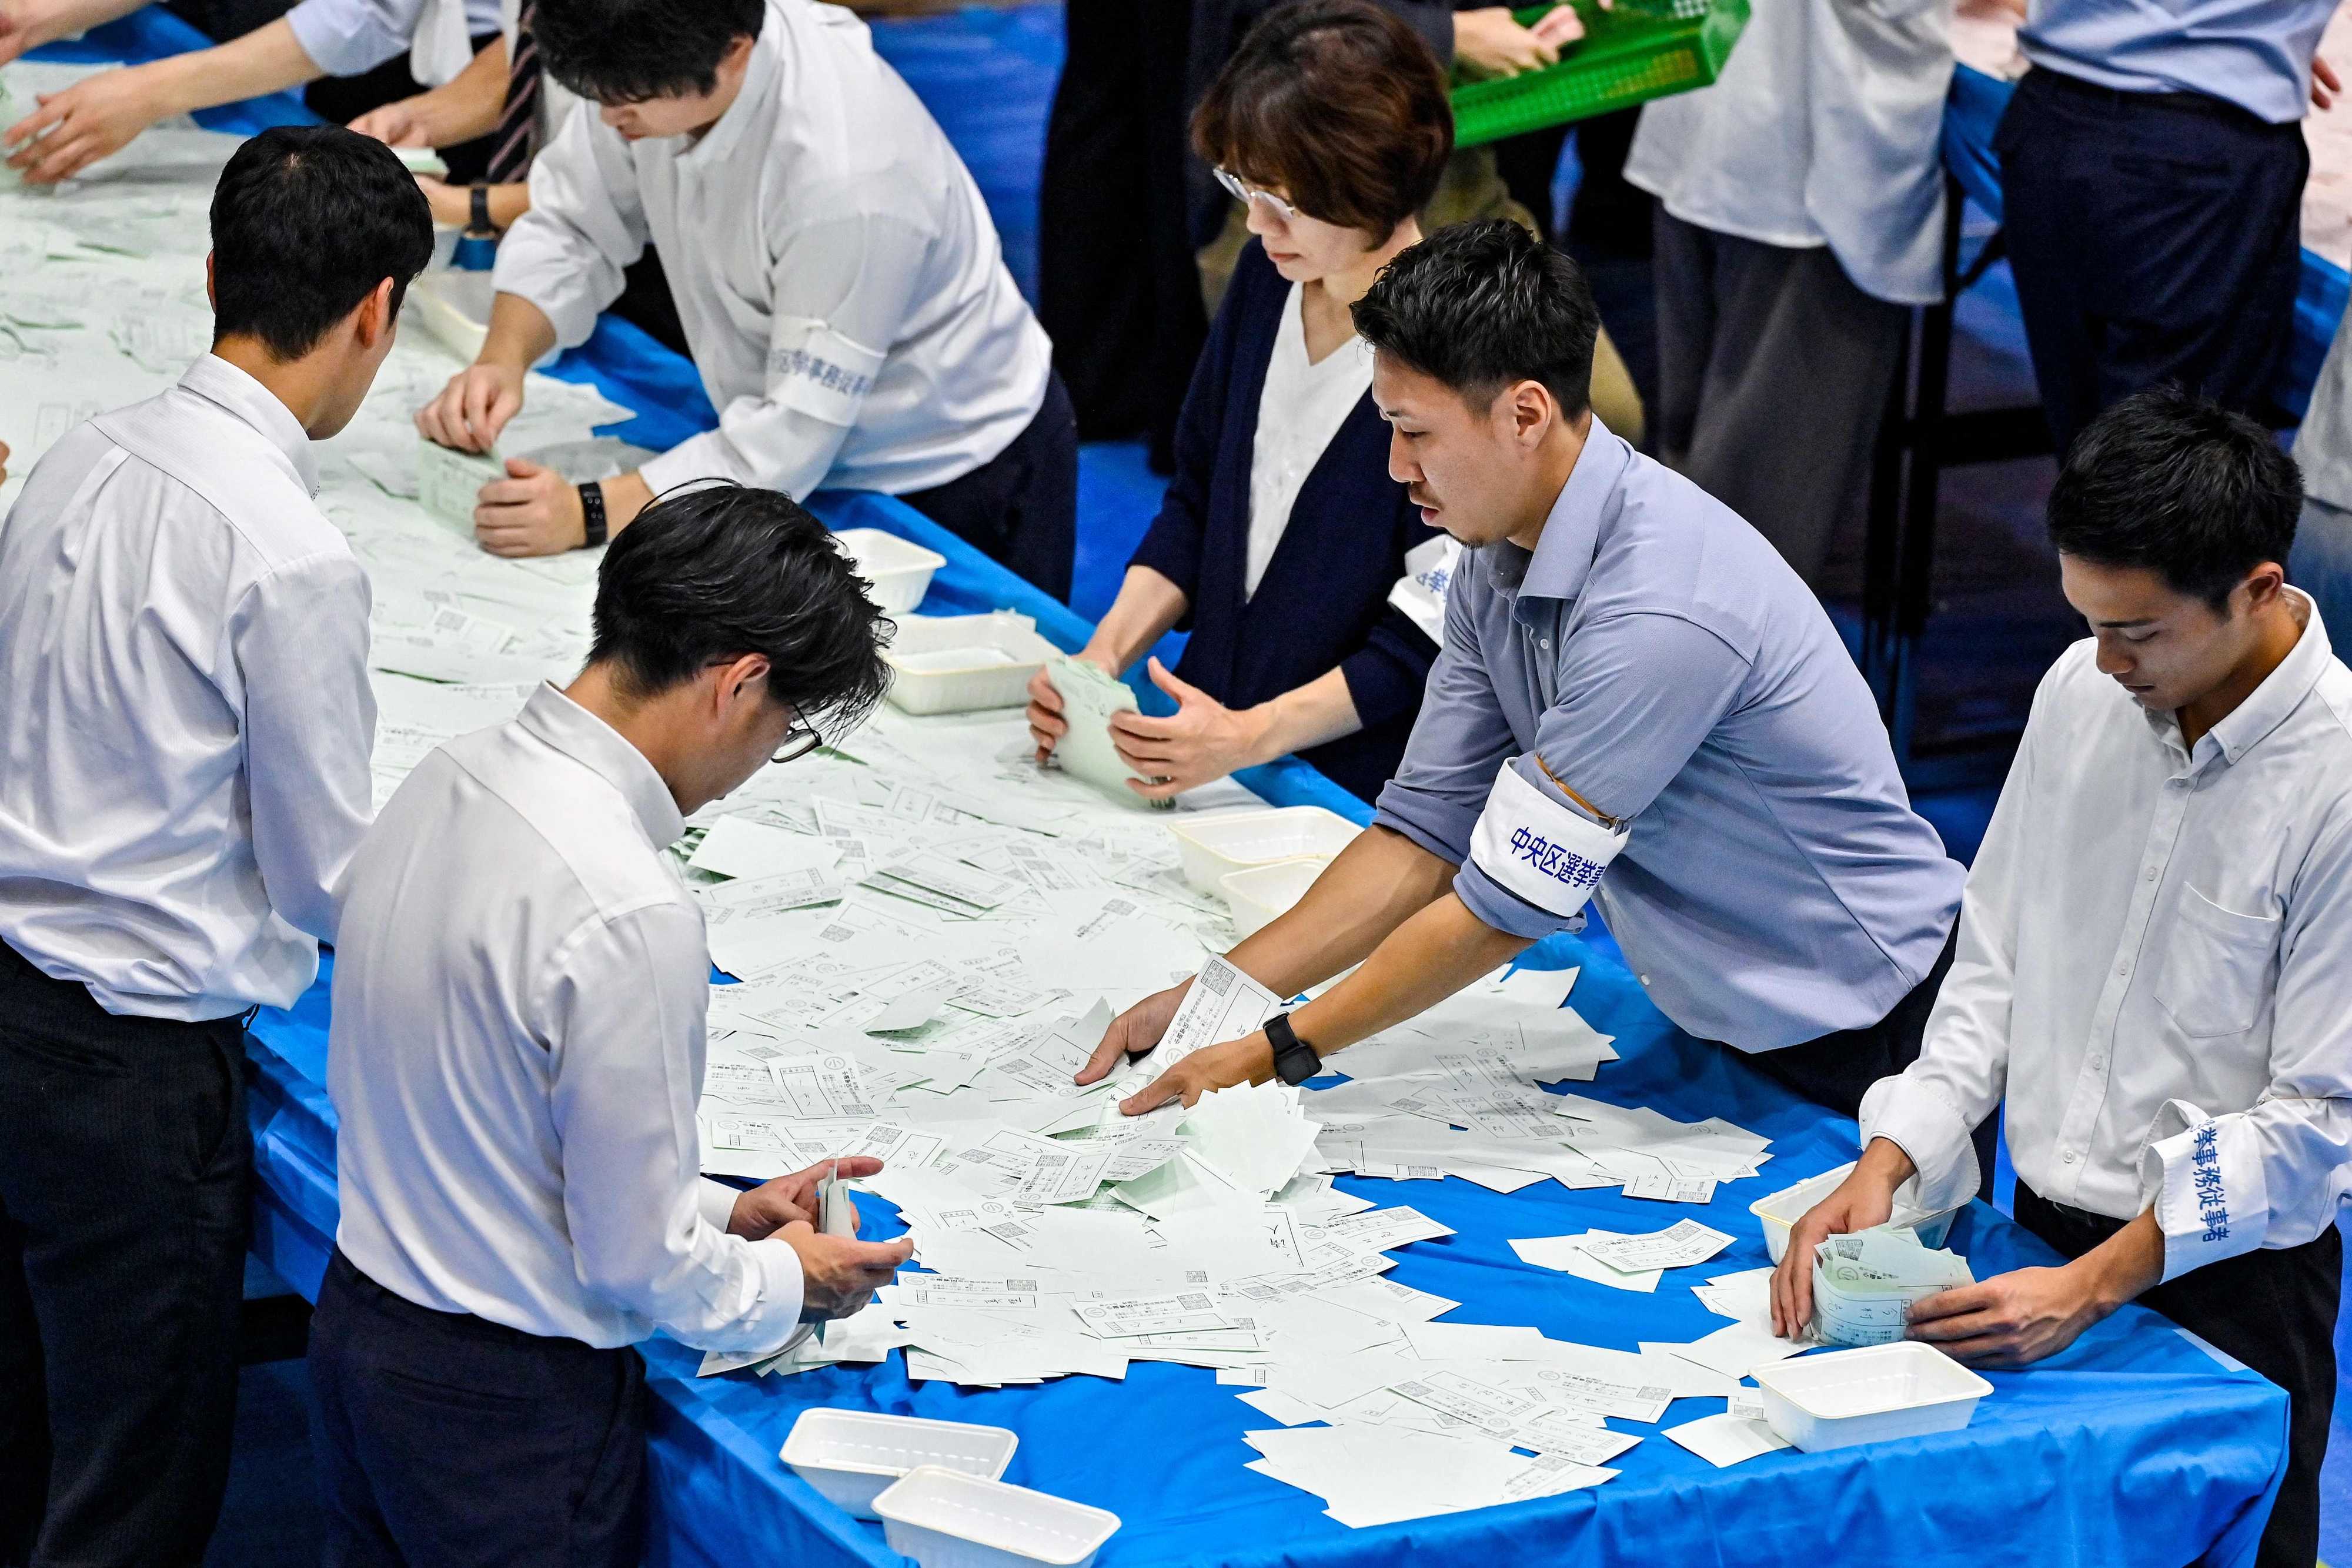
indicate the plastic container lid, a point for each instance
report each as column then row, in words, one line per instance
column 852, row 1456
column 946, row 1520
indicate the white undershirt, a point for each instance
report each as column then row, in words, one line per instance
column 1300, row 410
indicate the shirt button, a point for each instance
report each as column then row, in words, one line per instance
column 2151, row 874
column 1543, row 642
column 2069, row 1156
column 2124, row 968
column 1645, row 979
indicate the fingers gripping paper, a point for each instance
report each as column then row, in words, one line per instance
column 815, row 370
column 1540, row 848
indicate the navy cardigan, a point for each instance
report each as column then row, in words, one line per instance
column 1324, row 599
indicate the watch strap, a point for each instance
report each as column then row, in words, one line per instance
column 592, row 514
column 478, row 204
column 1295, row 1061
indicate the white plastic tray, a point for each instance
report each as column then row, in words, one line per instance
column 1872, row 1396
column 1213, row 847
column 900, row 572
column 854, row 1456
column 1779, row 1212
column 1261, row 894
column 453, row 306
column 943, row 1519
column 957, row 664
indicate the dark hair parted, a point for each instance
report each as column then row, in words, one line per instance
column 1336, row 104
column 714, row 572
column 1484, row 306
column 626, row 51
column 306, row 221
column 2169, row 481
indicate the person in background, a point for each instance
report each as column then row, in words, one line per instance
column 2321, row 563
column 2155, row 967
column 318, row 39
column 1799, row 217
column 2152, row 173
column 517, row 1053
column 1283, row 540
column 1124, row 206
column 1637, row 704
column 837, row 275
column 183, row 774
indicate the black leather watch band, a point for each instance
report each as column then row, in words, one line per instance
column 592, row 514
column 478, row 204
column 1295, row 1061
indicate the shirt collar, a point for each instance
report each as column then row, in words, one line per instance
column 556, row 719
column 759, row 86
column 1571, row 532
column 216, row 381
column 2281, row 693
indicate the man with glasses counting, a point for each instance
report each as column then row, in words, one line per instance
column 518, row 1048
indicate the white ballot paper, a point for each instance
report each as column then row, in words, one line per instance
column 449, row 482
column 1863, row 1284
column 1224, row 1004
column 1681, row 1244
column 1183, row 1313
column 1726, row 1440
column 1088, row 699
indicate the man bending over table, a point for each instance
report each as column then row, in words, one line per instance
column 183, row 773
column 837, row 275
column 2155, row 965
column 516, row 1052
column 1633, row 683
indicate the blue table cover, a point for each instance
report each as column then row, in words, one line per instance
column 2133, row 1447
column 1970, row 115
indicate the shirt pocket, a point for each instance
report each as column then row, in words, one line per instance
column 2216, row 968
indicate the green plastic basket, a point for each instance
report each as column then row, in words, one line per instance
column 1639, row 50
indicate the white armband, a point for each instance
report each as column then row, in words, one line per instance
column 1419, row 593
column 2204, row 1177
column 1540, row 848
column 822, row 375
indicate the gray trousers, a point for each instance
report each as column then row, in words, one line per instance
column 1772, row 376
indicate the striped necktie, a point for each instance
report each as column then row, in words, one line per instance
column 518, row 133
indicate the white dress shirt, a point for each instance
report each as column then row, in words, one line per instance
column 1300, row 409
column 1826, row 128
column 186, row 724
column 518, row 1048
column 2155, row 967
column 835, row 270
column 348, row 37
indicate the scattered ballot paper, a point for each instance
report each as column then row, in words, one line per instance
column 449, row 482
column 1865, row 1283
column 1726, row 1440
column 1222, row 1004
column 1680, row 1245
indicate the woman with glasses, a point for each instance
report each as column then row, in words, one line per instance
column 1283, row 544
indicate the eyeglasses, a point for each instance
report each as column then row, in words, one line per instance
column 1246, row 195
column 798, row 741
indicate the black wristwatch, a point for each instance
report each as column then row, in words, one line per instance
column 480, row 207
column 1295, row 1061
column 592, row 514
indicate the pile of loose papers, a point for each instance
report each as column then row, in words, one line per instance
column 1863, row 1284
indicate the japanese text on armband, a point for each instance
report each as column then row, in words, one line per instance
column 819, row 371
column 1562, row 865
column 2205, row 1166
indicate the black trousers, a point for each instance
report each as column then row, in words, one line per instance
column 446, row 1441
column 125, row 1180
column 2274, row 1310
column 2155, row 237
column 1838, row 1070
column 1021, row 507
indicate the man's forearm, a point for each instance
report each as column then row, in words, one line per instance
column 469, row 105
column 520, row 334
column 2126, row 1263
column 268, row 59
column 1425, row 960
column 36, row 25
column 1379, row 883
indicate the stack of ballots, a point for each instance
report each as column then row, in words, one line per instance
column 1865, row 1283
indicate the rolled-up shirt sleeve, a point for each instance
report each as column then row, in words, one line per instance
column 350, row 37
column 843, row 288
column 624, row 1020
column 1457, row 744
column 300, row 641
column 1931, row 1109
column 2275, row 1173
column 585, row 226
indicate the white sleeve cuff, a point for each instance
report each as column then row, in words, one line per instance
column 1542, row 849
column 1419, row 593
column 715, row 1201
column 2212, row 1197
column 1929, row 1128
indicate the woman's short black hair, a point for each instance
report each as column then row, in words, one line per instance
column 711, row 573
column 1337, row 103
column 2169, row 481
column 306, row 221
column 626, row 51
column 1483, row 306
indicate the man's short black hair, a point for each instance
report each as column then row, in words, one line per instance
column 2168, row 480
column 709, row 574
column 1484, row 306
column 626, row 51
column 307, row 220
